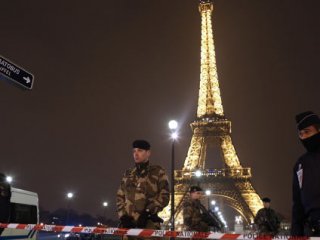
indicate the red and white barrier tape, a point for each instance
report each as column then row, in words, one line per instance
column 145, row 232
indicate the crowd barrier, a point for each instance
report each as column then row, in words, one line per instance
column 147, row 232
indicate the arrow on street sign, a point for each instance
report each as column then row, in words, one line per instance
column 15, row 73
column 27, row 79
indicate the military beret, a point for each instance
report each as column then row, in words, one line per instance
column 195, row 189
column 142, row 144
column 266, row 199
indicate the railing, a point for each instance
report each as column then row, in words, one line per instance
column 224, row 172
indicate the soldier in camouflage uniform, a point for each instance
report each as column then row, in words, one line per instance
column 267, row 220
column 195, row 216
column 144, row 191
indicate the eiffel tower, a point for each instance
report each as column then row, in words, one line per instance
column 212, row 129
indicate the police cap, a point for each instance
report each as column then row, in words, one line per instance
column 306, row 119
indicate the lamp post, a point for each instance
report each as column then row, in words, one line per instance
column 105, row 205
column 208, row 193
column 213, row 203
column 172, row 126
column 69, row 197
column 198, row 175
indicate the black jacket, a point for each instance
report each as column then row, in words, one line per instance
column 306, row 191
column 5, row 195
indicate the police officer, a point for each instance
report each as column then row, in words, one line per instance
column 195, row 216
column 306, row 178
column 143, row 192
column 267, row 220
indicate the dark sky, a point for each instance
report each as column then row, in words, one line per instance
column 108, row 72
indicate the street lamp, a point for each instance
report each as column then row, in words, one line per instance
column 208, row 193
column 173, row 125
column 105, row 205
column 198, row 173
column 69, row 197
column 9, row 179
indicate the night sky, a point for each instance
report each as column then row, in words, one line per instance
column 108, row 72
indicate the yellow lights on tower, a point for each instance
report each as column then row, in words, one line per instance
column 209, row 103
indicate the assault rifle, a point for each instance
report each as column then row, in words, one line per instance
column 273, row 226
column 211, row 219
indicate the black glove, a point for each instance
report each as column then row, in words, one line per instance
column 142, row 220
column 155, row 218
column 188, row 221
column 127, row 222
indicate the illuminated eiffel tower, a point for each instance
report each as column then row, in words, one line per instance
column 212, row 129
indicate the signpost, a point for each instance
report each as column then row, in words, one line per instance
column 15, row 74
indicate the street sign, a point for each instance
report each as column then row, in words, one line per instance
column 15, row 73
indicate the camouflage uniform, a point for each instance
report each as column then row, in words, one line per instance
column 193, row 216
column 267, row 221
column 143, row 187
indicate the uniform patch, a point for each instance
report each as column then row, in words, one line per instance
column 300, row 175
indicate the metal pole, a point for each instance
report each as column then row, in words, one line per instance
column 105, row 215
column 68, row 212
column 172, row 186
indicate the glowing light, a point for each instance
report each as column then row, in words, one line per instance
column 198, row 173
column 173, row 124
column 105, row 204
column 208, row 192
column 69, row 195
column 174, row 135
column 9, row 179
column 213, row 202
